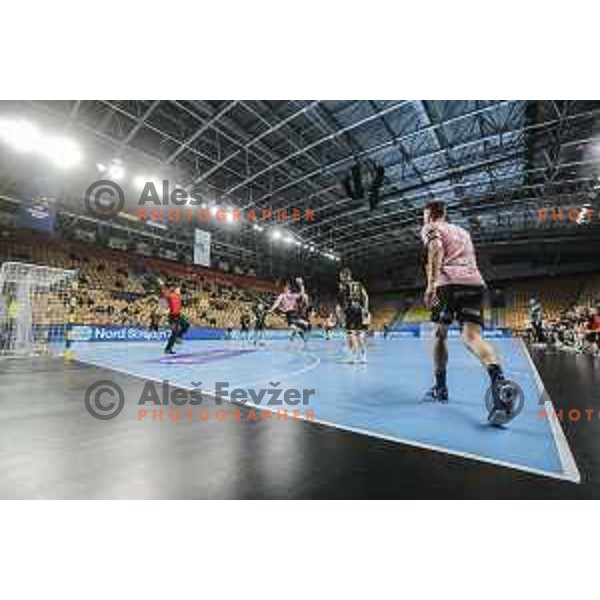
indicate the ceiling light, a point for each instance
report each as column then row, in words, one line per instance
column 61, row 152
column 21, row 135
column 140, row 181
column 26, row 138
column 116, row 171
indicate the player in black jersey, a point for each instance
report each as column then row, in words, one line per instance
column 386, row 330
column 155, row 320
column 536, row 318
column 353, row 302
column 244, row 326
column 305, row 310
column 260, row 318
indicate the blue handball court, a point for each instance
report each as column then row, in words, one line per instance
column 382, row 399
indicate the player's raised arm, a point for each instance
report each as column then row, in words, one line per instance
column 276, row 304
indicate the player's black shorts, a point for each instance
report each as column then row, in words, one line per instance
column 354, row 318
column 462, row 303
column 295, row 319
column 259, row 324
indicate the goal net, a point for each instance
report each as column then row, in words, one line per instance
column 35, row 303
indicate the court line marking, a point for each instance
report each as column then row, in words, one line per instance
column 566, row 475
column 316, row 362
column 562, row 445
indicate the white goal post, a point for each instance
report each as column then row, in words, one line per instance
column 35, row 306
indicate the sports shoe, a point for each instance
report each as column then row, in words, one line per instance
column 504, row 396
column 436, row 394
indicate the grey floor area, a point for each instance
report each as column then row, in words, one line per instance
column 51, row 448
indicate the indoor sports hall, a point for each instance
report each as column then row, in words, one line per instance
column 253, row 299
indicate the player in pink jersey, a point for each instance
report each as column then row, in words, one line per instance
column 455, row 292
column 292, row 303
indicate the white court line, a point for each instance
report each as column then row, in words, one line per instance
column 567, row 475
column 562, row 445
column 316, row 362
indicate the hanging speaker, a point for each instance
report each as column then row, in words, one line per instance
column 359, row 191
column 376, row 187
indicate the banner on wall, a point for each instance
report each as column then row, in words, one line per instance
column 202, row 248
column 123, row 333
column 38, row 214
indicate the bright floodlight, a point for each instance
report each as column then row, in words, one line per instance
column 62, row 152
column 288, row 239
column 116, row 171
column 276, row 234
column 25, row 137
column 21, row 135
column 101, row 168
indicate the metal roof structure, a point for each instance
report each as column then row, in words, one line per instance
column 494, row 162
